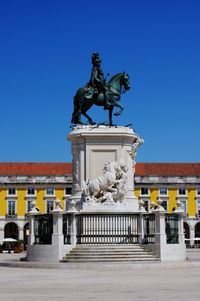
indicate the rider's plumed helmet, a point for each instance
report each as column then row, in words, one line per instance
column 95, row 58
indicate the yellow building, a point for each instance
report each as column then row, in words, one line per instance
column 172, row 182
column 21, row 183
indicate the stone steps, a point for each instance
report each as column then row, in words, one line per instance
column 108, row 246
column 71, row 256
column 92, row 253
column 109, row 260
column 109, row 253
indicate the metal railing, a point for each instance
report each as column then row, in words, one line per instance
column 43, row 229
column 149, row 228
column 171, row 228
column 107, row 229
column 67, row 223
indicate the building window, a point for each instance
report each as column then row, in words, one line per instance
column 50, row 206
column 66, row 205
column 163, row 191
column 30, row 191
column 183, row 207
column 29, row 205
column 11, row 191
column 198, row 207
column 11, row 208
column 198, row 191
column 144, row 191
column 182, row 191
column 164, row 204
column 68, row 191
column 50, row 191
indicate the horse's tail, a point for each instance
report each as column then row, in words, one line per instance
column 76, row 112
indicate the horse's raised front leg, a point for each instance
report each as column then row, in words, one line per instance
column 88, row 118
column 119, row 105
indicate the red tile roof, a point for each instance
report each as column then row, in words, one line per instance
column 142, row 169
column 36, row 169
column 167, row 169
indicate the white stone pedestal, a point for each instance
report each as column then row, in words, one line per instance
column 93, row 146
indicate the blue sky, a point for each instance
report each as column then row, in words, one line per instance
column 45, row 56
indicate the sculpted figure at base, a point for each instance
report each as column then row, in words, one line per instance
column 99, row 92
column 110, row 187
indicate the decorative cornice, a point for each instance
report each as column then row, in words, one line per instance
column 6, row 180
column 166, row 180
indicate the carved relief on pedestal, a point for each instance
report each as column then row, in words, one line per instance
column 76, row 171
column 110, row 188
column 138, row 141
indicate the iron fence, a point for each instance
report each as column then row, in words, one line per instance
column 67, row 223
column 43, row 229
column 107, row 229
column 171, row 227
column 149, row 228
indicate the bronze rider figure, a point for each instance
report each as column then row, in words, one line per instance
column 97, row 83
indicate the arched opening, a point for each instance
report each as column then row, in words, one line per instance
column 197, row 230
column 11, row 231
column 26, row 233
column 187, row 233
column 197, row 234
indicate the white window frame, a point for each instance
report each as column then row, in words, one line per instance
column 66, row 198
column 163, row 195
column 182, row 195
column 66, row 194
column 198, row 202
column 28, row 201
column 30, row 195
column 184, row 201
column 144, row 195
column 48, row 200
column 50, row 195
column 15, row 202
column 12, row 195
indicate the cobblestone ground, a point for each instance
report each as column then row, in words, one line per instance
column 162, row 283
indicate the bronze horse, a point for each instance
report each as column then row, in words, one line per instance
column 118, row 84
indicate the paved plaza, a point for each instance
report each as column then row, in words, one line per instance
column 178, row 281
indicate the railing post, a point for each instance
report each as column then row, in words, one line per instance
column 21, row 233
column 180, row 212
column 57, row 237
column 160, row 232
column 34, row 211
column 141, row 222
column 192, row 235
column 73, row 213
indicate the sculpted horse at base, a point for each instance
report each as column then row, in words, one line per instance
column 118, row 84
column 97, row 190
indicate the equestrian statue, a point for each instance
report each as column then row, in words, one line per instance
column 99, row 92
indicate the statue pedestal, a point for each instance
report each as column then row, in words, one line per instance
column 92, row 148
column 110, row 208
